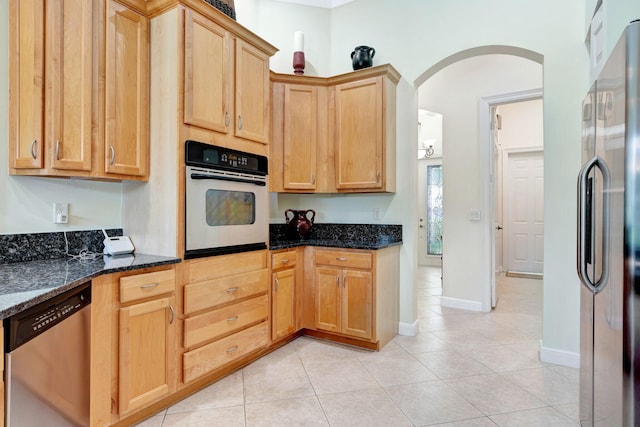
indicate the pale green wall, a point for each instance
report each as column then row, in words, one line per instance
column 26, row 203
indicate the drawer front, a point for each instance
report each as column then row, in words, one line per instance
column 203, row 295
column 344, row 259
column 283, row 260
column 147, row 285
column 211, row 325
column 213, row 356
column 226, row 265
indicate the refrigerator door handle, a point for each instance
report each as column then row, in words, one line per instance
column 597, row 286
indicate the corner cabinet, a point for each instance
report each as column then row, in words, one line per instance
column 337, row 134
column 226, row 81
column 57, row 121
column 356, row 294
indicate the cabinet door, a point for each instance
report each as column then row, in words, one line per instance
column 69, row 88
column 147, row 368
column 328, row 282
column 359, row 134
column 253, row 110
column 26, row 82
column 207, row 74
column 357, row 302
column 127, row 92
column 283, row 303
column 300, row 137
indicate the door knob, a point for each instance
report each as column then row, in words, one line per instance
column 498, row 228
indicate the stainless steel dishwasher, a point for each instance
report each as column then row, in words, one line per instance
column 47, row 362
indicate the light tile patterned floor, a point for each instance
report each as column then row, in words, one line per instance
column 462, row 369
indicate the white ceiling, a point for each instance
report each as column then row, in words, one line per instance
column 329, row 4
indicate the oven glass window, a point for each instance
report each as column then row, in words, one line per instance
column 230, row 207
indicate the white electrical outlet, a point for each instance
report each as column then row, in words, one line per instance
column 60, row 213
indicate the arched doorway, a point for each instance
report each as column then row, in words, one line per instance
column 469, row 225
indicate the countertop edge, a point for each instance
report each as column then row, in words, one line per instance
column 57, row 290
column 372, row 246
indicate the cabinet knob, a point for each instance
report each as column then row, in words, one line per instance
column 34, row 146
column 113, row 155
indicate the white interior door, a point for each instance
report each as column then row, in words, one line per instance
column 524, row 206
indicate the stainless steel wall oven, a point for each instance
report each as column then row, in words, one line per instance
column 226, row 201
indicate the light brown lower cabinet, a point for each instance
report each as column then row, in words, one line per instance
column 284, row 295
column 355, row 293
column 226, row 308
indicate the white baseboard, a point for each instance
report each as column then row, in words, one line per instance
column 460, row 304
column 559, row 357
column 409, row 329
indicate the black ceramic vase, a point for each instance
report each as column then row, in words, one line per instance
column 362, row 57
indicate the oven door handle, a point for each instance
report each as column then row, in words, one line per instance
column 229, row 178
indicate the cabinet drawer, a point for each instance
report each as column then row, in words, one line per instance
column 283, row 260
column 344, row 259
column 147, row 285
column 212, row 356
column 203, row 295
column 226, row 265
column 211, row 325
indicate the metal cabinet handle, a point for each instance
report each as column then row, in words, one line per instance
column 341, row 259
column 240, row 122
column 232, row 319
column 284, row 261
column 231, row 290
column 227, row 119
column 313, row 179
column 34, row 145
column 58, row 150
column 113, row 155
column 173, row 315
column 232, row 349
column 277, row 284
column 338, row 281
column 378, row 177
column 149, row 285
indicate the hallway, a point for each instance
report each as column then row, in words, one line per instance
column 462, row 369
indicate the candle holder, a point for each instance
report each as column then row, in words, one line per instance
column 298, row 63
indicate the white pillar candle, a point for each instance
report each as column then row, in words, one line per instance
column 298, row 41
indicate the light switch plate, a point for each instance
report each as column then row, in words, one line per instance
column 474, row 215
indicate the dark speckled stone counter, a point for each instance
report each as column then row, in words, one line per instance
column 348, row 236
column 24, row 284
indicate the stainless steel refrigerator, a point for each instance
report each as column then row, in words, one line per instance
column 609, row 241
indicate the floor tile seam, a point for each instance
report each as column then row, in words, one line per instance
column 531, row 409
column 186, row 411
column 505, row 376
column 422, row 364
column 384, row 390
column 486, row 417
column 544, row 404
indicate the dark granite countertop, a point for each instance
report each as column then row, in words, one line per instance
column 37, row 266
column 25, row 284
column 347, row 236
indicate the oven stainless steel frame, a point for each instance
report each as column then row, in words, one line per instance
column 226, row 201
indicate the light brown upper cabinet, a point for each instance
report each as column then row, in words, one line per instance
column 226, row 81
column 126, row 147
column 67, row 118
column 51, row 87
column 333, row 135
